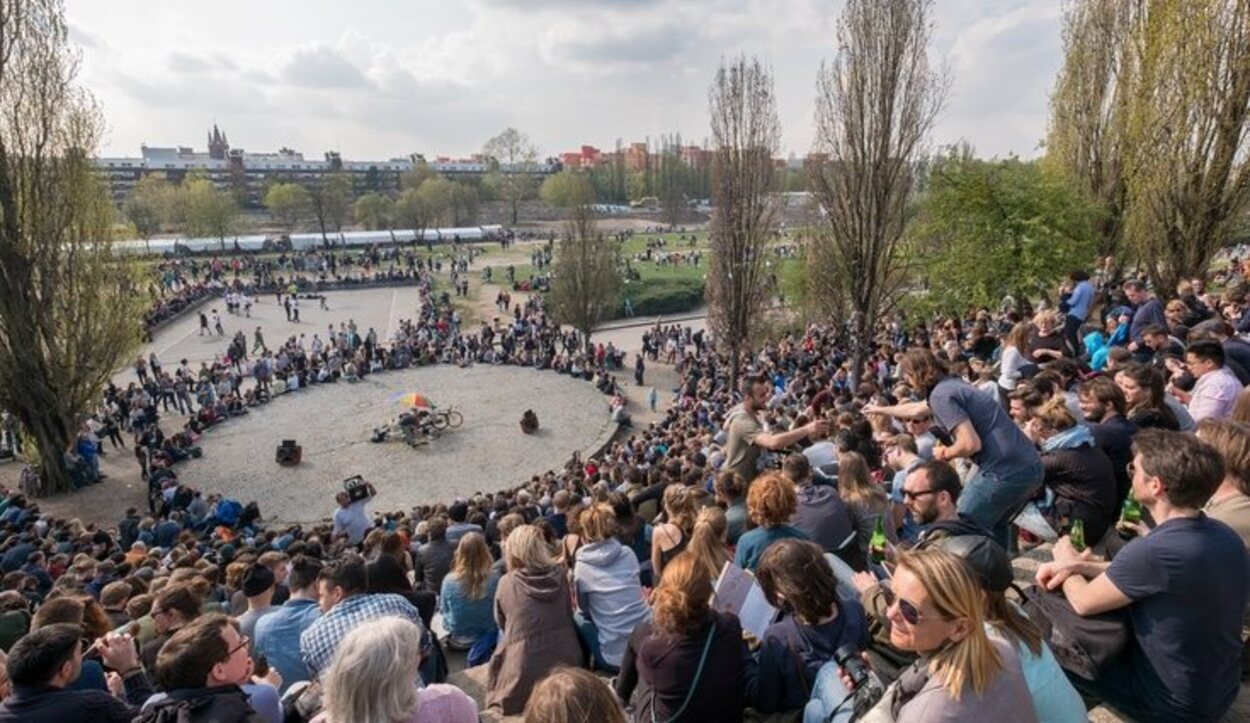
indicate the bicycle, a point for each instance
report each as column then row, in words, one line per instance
column 449, row 417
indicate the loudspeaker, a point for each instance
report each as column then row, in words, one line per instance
column 289, row 453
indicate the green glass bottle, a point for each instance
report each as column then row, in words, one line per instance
column 877, row 543
column 1077, row 535
column 1130, row 514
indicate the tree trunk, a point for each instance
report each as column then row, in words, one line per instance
column 51, row 439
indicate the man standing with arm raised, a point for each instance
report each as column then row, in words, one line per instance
column 1009, row 470
column 745, row 435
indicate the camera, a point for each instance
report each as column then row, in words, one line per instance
column 867, row 687
column 856, row 669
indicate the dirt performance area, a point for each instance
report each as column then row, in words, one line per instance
column 334, row 424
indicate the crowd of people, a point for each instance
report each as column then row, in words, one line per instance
column 879, row 514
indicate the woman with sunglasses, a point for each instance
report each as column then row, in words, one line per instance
column 937, row 611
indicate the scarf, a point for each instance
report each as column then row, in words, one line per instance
column 1071, row 438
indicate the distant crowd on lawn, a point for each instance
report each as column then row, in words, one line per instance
column 879, row 514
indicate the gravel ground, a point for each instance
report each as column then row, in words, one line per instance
column 333, row 424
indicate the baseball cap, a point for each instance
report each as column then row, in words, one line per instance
column 989, row 561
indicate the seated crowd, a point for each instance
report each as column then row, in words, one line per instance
column 877, row 518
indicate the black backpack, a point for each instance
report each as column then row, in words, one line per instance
column 1083, row 645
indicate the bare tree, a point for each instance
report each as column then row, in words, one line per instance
column 745, row 135
column 1089, row 109
column 585, row 282
column 876, row 104
column 516, row 159
column 69, row 308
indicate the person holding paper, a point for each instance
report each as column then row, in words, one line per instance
column 690, row 663
column 813, row 625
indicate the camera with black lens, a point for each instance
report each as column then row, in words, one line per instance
column 866, row 686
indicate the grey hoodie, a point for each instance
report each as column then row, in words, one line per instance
column 609, row 593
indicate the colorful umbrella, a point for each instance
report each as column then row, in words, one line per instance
column 411, row 399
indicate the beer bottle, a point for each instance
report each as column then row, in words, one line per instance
column 1130, row 514
column 1077, row 535
column 876, row 544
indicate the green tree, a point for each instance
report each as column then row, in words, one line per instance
column 68, row 306
column 585, row 282
column 1188, row 162
column 1151, row 113
column 374, row 211
column 145, row 208
column 420, row 173
column 987, row 229
column 515, row 158
column 331, row 201
column 436, row 194
column 1089, row 109
column 565, row 189
column 288, row 204
column 464, row 204
column 211, row 212
column 412, row 212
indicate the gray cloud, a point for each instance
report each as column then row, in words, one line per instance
column 638, row 45
column 185, row 63
column 324, row 68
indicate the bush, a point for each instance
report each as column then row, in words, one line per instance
column 661, row 295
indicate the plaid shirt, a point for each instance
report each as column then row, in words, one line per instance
column 318, row 643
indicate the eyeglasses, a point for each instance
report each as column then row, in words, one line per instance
column 244, row 641
column 910, row 613
column 909, row 495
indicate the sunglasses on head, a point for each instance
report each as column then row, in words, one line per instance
column 909, row 612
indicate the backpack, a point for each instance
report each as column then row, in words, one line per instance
column 1083, row 645
column 228, row 512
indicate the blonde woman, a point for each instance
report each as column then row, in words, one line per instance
column 708, row 541
column 1015, row 356
column 373, row 680
column 535, row 615
column 609, row 593
column 669, row 538
column 572, row 695
column 1047, row 343
column 467, row 598
column 937, row 611
column 866, row 500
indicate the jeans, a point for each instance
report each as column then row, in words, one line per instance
column 590, row 637
column 992, row 499
column 831, row 702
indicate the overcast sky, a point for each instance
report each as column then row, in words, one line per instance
column 376, row 79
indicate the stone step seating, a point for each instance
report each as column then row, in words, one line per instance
column 473, row 680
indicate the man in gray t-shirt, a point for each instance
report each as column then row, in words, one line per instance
column 973, row 425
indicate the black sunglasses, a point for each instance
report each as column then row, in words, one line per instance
column 911, row 614
column 909, row 495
